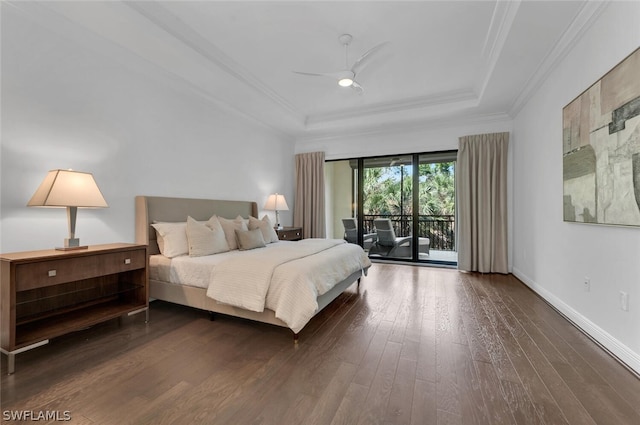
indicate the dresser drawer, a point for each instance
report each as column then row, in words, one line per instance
column 54, row 272
column 121, row 261
column 290, row 234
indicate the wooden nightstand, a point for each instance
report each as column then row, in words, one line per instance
column 45, row 294
column 290, row 233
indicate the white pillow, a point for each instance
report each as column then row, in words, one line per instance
column 268, row 232
column 229, row 227
column 172, row 238
column 250, row 239
column 205, row 239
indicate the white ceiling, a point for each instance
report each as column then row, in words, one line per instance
column 445, row 60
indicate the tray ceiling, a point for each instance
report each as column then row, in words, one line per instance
column 445, row 60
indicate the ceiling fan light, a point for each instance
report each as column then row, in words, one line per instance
column 345, row 82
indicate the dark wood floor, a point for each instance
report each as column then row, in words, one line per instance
column 417, row 345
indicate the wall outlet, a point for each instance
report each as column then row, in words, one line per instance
column 586, row 284
column 624, row 301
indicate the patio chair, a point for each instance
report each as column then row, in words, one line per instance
column 388, row 245
column 351, row 233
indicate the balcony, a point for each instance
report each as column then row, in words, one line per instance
column 440, row 229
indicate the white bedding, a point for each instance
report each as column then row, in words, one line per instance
column 295, row 284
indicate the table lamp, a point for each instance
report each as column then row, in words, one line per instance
column 71, row 190
column 276, row 203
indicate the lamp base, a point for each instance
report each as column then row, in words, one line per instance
column 71, row 244
column 71, row 248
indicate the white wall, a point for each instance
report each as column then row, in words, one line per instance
column 430, row 137
column 553, row 256
column 66, row 106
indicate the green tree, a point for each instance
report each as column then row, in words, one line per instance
column 437, row 188
column 388, row 191
column 382, row 187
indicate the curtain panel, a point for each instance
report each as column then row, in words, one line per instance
column 482, row 203
column 309, row 203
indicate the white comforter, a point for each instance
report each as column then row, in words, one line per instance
column 286, row 277
column 244, row 281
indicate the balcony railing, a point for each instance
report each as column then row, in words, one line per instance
column 440, row 229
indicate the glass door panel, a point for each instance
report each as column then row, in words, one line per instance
column 387, row 200
column 340, row 180
column 436, row 208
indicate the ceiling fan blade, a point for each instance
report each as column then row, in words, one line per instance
column 322, row 74
column 364, row 59
column 357, row 87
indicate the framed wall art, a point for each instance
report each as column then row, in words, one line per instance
column 601, row 149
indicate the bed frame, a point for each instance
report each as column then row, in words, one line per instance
column 150, row 209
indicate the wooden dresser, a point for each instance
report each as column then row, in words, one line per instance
column 290, row 233
column 49, row 293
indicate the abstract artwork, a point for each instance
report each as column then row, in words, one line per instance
column 601, row 149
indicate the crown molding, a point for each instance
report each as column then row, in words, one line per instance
column 460, row 97
column 504, row 14
column 580, row 24
column 413, row 126
column 172, row 25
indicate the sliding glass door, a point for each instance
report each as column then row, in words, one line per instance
column 402, row 206
column 387, row 200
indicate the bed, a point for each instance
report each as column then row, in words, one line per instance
column 168, row 283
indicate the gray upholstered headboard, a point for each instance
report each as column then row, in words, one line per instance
column 157, row 208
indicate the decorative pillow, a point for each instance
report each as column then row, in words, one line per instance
column 268, row 232
column 229, row 227
column 205, row 239
column 250, row 239
column 172, row 238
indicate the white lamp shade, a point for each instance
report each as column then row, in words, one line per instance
column 276, row 202
column 68, row 188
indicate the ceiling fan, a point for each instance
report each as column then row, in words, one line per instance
column 347, row 76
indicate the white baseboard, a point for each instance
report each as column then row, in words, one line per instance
column 627, row 356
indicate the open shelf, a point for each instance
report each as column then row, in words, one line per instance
column 69, row 299
column 72, row 320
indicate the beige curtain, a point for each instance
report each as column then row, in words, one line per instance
column 309, row 203
column 481, row 175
